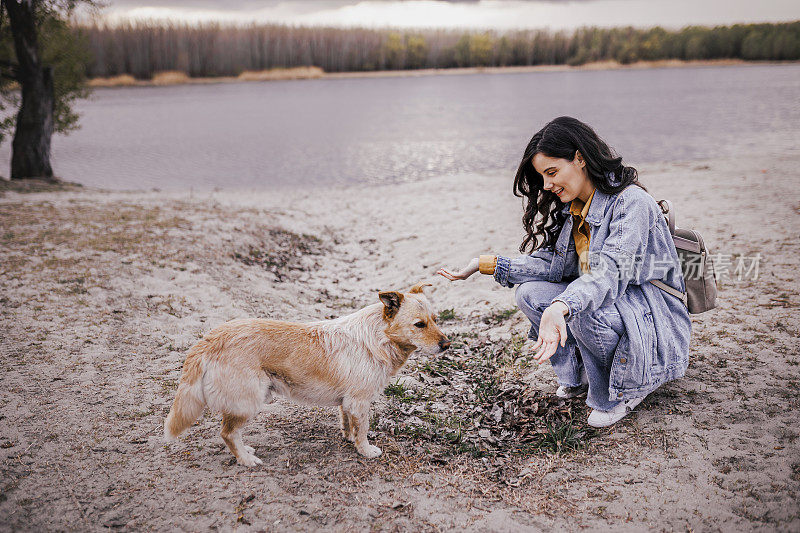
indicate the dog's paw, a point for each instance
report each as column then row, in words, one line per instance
column 370, row 451
column 346, row 435
column 249, row 459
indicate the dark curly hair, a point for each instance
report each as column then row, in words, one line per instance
column 562, row 138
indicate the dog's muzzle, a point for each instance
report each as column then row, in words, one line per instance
column 444, row 344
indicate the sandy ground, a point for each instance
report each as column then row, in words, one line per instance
column 102, row 293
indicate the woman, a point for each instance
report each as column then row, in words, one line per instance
column 597, row 239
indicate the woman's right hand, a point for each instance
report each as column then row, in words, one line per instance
column 464, row 273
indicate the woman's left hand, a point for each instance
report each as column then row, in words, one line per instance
column 552, row 332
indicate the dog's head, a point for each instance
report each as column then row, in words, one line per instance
column 411, row 322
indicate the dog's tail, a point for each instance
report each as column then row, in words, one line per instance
column 189, row 398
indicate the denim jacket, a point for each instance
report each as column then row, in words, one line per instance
column 630, row 244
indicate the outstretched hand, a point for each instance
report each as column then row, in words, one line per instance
column 464, row 273
column 552, row 332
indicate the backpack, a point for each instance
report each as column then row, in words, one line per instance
column 696, row 264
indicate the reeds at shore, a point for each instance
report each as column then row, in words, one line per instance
column 174, row 77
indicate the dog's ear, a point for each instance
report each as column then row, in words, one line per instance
column 417, row 289
column 391, row 302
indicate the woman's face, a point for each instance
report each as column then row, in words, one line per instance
column 564, row 178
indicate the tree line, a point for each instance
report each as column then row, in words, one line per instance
column 142, row 49
column 44, row 60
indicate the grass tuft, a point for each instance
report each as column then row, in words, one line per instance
column 564, row 437
column 498, row 317
column 399, row 391
column 447, row 315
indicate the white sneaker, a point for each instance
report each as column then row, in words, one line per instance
column 601, row 419
column 572, row 392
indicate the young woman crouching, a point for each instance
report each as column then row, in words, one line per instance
column 597, row 238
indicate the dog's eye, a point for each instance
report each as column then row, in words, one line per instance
column 420, row 324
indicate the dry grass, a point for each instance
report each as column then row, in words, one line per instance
column 170, row 77
column 123, row 80
column 32, row 185
column 297, row 73
column 473, row 400
column 175, row 77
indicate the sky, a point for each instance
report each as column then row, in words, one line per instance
column 488, row 14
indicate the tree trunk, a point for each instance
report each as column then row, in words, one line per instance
column 31, row 146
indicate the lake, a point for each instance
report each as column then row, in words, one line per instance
column 380, row 130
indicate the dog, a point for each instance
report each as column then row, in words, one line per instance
column 241, row 365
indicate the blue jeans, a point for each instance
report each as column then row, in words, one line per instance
column 596, row 336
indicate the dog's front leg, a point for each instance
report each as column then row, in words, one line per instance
column 359, row 425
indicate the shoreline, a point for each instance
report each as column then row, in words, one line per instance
column 170, row 78
column 31, row 186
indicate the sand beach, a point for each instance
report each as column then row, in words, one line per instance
column 102, row 293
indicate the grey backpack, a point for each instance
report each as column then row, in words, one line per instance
column 698, row 269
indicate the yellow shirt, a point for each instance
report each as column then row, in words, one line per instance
column 580, row 233
column 580, row 230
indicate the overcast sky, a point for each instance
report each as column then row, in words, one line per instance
column 495, row 14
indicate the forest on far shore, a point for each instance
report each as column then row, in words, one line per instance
column 210, row 50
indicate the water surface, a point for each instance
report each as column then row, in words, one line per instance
column 324, row 132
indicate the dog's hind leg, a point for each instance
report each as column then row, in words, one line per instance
column 348, row 424
column 232, row 435
column 352, row 422
column 359, row 425
column 344, row 418
column 189, row 400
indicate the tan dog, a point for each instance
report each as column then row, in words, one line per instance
column 240, row 365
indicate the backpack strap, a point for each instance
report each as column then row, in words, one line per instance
column 666, row 288
column 669, row 212
column 666, row 208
